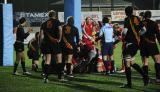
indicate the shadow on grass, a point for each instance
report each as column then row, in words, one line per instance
column 35, row 76
column 89, row 85
column 147, row 88
column 81, row 87
column 95, row 81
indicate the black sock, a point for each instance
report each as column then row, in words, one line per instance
column 145, row 70
column 23, row 66
column 128, row 75
column 138, row 69
column 112, row 66
column 106, row 64
column 36, row 66
column 15, row 67
column 68, row 66
column 32, row 61
column 157, row 68
column 42, row 65
column 46, row 70
column 60, row 69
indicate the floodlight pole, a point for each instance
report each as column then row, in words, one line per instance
column 5, row 1
column 154, row 4
column 133, row 3
column 112, row 5
column 90, row 4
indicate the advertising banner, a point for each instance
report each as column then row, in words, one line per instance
column 95, row 15
column 120, row 15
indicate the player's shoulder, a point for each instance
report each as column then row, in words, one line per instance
column 55, row 20
column 74, row 27
column 153, row 22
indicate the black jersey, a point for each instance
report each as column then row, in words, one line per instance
column 20, row 34
column 34, row 43
column 71, row 34
column 50, row 27
column 152, row 31
column 33, row 49
column 130, row 36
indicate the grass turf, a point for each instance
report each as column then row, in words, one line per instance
column 95, row 82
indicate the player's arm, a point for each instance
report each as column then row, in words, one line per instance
column 68, row 45
column 60, row 33
column 157, row 33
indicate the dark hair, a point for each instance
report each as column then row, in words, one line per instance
column 141, row 14
column 51, row 13
column 70, row 20
column 105, row 20
column 22, row 20
column 129, row 11
column 147, row 14
column 87, row 18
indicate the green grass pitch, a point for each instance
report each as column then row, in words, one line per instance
column 95, row 82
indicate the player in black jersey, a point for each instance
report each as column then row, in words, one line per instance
column 70, row 33
column 132, row 38
column 51, row 31
column 19, row 46
column 148, row 46
column 33, row 51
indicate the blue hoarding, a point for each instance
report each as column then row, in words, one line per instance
column 7, row 35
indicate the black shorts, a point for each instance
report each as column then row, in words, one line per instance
column 67, row 51
column 33, row 55
column 50, row 48
column 148, row 49
column 130, row 49
column 42, row 49
column 107, row 48
column 19, row 46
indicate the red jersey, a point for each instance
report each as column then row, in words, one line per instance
column 88, row 29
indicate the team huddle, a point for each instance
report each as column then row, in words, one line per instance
column 63, row 49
